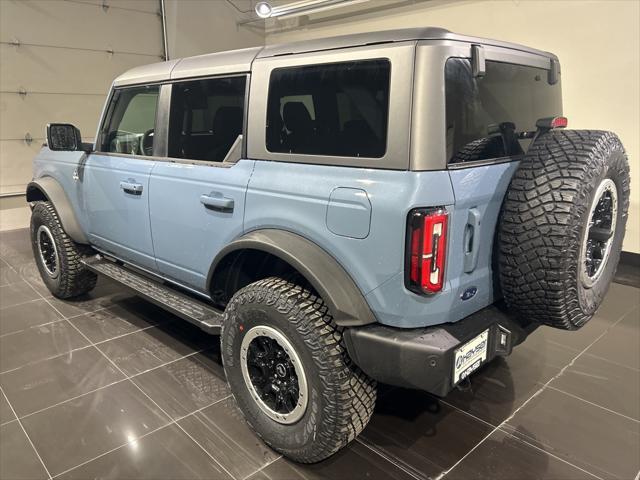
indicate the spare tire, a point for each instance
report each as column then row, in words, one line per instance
column 562, row 225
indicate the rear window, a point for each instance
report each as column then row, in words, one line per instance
column 487, row 115
column 338, row 109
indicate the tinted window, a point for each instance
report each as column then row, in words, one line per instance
column 131, row 121
column 487, row 115
column 337, row 109
column 206, row 118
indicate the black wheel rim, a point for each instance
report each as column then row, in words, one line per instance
column 48, row 251
column 273, row 373
column 600, row 232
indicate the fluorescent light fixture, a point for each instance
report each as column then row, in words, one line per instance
column 301, row 7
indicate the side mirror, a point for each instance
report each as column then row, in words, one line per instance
column 65, row 137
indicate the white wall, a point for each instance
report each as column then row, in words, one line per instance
column 64, row 65
column 195, row 27
column 598, row 43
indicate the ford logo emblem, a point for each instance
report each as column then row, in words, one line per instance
column 469, row 293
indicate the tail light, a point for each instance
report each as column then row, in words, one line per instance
column 426, row 250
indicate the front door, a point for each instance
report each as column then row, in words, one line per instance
column 116, row 177
column 197, row 197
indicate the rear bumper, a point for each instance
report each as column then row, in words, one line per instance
column 423, row 358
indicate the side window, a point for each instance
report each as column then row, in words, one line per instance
column 487, row 116
column 336, row 109
column 206, row 118
column 131, row 121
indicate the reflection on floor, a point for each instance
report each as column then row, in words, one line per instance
column 109, row 386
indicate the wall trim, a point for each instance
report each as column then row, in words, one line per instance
column 630, row 258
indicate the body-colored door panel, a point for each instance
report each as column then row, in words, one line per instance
column 196, row 209
column 116, row 191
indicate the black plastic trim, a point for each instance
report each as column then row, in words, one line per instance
column 423, row 358
column 51, row 189
column 344, row 299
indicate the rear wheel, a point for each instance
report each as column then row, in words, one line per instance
column 562, row 226
column 57, row 256
column 289, row 371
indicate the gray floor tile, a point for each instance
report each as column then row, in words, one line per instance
column 576, row 340
column 18, row 460
column 607, row 384
column 16, row 293
column 421, row 432
column 585, row 435
column 504, row 457
column 31, row 314
column 7, row 274
column 81, row 429
column 144, row 350
column 38, row 343
column 619, row 301
column 125, row 316
column 184, row 386
column 621, row 343
column 421, row 436
column 105, row 294
column 166, row 454
column 354, row 462
column 222, row 431
column 29, row 272
column 37, row 386
column 6, row 415
column 15, row 247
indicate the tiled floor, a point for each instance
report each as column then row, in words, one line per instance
column 111, row 387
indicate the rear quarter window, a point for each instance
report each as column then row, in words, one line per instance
column 337, row 109
column 486, row 115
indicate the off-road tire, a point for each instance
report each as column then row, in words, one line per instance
column 480, row 149
column 341, row 397
column 73, row 279
column 545, row 218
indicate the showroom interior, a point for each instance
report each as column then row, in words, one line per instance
column 111, row 385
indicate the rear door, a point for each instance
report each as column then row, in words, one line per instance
column 197, row 194
column 484, row 118
column 116, row 177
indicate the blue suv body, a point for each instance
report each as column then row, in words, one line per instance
column 369, row 169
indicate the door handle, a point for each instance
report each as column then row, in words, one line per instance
column 471, row 240
column 216, row 201
column 130, row 186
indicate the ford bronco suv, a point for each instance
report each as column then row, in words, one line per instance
column 397, row 207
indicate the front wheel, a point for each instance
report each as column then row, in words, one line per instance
column 290, row 373
column 57, row 256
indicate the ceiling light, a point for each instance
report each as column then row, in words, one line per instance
column 263, row 9
column 301, row 7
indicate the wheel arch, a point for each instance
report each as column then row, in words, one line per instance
column 49, row 189
column 327, row 277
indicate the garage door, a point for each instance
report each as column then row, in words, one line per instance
column 57, row 61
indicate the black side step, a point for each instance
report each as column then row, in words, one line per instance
column 199, row 313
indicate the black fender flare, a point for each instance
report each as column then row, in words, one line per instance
column 336, row 287
column 48, row 188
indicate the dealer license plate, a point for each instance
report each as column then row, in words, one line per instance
column 470, row 356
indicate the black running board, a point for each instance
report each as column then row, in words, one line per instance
column 199, row 313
